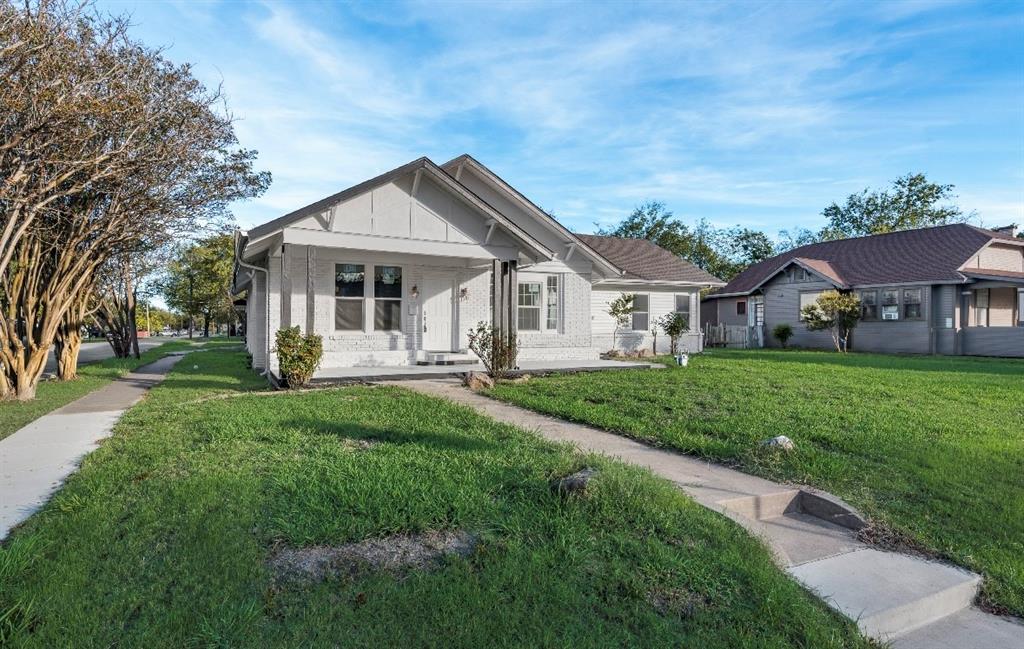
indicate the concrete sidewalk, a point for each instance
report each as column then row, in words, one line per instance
column 35, row 461
column 910, row 602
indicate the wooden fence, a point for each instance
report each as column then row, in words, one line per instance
column 722, row 335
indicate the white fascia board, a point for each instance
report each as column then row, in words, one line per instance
column 540, row 216
column 648, row 282
column 306, row 237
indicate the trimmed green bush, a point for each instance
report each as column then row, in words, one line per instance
column 783, row 332
column 299, row 356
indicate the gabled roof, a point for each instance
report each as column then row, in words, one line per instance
column 822, row 268
column 644, row 260
column 427, row 165
column 923, row 255
column 454, row 167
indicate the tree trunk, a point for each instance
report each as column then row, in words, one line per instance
column 130, row 304
column 69, row 344
column 206, row 325
column 27, row 381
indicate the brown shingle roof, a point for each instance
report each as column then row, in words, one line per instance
column 923, row 255
column 641, row 259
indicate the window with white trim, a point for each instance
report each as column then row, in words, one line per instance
column 1020, row 307
column 683, row 307
column 528, row 311
column 981, row 297
column 387, row 298
column 641, row 312
column 551, row 303
column 349, row 291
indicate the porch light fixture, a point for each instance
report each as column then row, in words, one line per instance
column 463, row 293
column 414, row 291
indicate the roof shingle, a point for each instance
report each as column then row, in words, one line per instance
column 923, row 255
column 642, row 259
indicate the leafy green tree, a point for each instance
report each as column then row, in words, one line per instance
column 620, row 309
column 198, row 282
column 836, row 313
column 912, row 202
column 654, row 222
column 674, row 325
column 721, row 252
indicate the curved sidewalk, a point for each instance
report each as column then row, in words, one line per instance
column 910, row 602
column 35, row 461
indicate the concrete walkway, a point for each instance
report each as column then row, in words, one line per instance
column 907, row 601
column 35, row 461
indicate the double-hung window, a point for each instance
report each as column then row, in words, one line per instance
column 683, row 307
column 807, row 298
column 528, row 318
column 539, row 303
column 912, row 304
column 981, row 307
column 349, row 290
column 1020, row 307
column 551, row 303
column 869, row 305
column 641, row 311
column 890, row 304
column 387, row 298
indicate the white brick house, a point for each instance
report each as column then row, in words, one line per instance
column 396, row 270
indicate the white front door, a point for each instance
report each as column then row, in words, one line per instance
column 437, row 314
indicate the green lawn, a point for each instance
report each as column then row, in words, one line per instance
column 162, row 538
column 932, row 447
column 53, row 394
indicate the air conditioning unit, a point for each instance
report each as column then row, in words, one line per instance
column 890, row 316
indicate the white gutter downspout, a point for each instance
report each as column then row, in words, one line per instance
column 266, row 298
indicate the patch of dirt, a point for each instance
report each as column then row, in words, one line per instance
column 885, row 537
column 359, row 444
column 397, row 555
column 676, row 602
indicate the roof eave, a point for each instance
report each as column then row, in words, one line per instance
column 532, row 207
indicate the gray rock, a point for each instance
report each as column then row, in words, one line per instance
column 478, row 381
column 781, row 442
column 575, row 483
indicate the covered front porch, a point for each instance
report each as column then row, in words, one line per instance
column 992, row 318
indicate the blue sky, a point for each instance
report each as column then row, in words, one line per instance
column 752, row 113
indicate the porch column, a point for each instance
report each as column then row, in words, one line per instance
column 503, row 278
column 962, row 322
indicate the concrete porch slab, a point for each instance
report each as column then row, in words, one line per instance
column 328, row 375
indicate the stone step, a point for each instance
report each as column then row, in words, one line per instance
column 446, row 358
column 967, row 629
column 888, row 594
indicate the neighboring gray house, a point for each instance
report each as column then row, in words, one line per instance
column 396, row 270
column 953, row 289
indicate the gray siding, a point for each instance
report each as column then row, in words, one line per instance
column 900, row 336
column 723, row 311
column 994, row 341
column 782, row 305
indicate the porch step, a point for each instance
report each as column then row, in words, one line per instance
column 447, row 358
